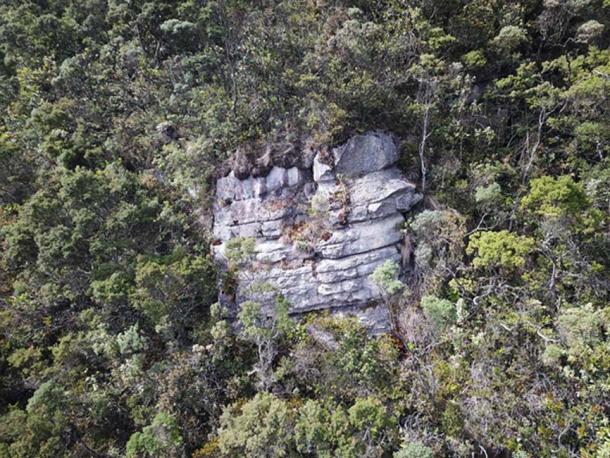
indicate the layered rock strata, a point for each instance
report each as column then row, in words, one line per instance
column 319, row 233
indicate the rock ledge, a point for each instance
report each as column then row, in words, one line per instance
column 320, row 232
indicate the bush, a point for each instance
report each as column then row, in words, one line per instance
column 502, row 249
column 414, row 450
column 440, row 311
column 161, row 438
column 384, row 277
column 260, row 427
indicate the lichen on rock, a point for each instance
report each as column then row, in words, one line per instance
column 319, row 232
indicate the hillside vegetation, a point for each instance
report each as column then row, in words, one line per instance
column 116, row 118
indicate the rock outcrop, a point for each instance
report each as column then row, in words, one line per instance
column 319, row 232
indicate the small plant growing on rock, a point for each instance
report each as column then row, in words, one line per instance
column 240, row 251
column 306, row 233
column 342, row 196
column 385, row 278
column 319, row 206
column 304, row 246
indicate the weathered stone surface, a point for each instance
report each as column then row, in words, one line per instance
column 376, row 318
column 362, row 237
column 364, row 154
column 276, row 179
column 351, row 262
column 226, row 188
column 295, row 176
column 319, row 260
column 322, row 171
column 379, row 194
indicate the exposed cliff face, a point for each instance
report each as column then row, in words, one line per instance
column 319, row 232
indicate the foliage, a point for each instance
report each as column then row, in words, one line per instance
column 260, row 427
column 265, row 328
column 552, row 197
column 438, row 236
column 440, row 311
column 384, row 277
column 414, row 450
column 266, row 425
column 501, row 249
column 116, row 119
column 161, row 437
column 239, row 251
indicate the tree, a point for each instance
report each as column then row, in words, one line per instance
column 259, row 427
column 385, row 278
column 438, row 236
column 364, row 429
column 265, row 329
column 117, row 117
column 502, row 249
column 161, row 437
column 440, row 311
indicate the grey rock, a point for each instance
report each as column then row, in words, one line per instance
column 405, row 202
column 252, row 187
column 251, row 211
column 336, row 276
column 272, row 251
column 306, row 157
column 226, row 187
column 247, row 230
column 295, row 176
column 322, row 171
column 309, row 189
column 276, row 179
column 380, row 194
column 272, row 229
column 364, row 270
column 345, row 286
column 351, row 262
column 376, row 319
column 223, row 232
column 362, row 237
column 364, row 154
column 319, row 262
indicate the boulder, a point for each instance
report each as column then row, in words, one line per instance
column 321, row 170
column 365, row 154
column 276, row 179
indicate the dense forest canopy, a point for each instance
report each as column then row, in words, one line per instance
column 116, row 116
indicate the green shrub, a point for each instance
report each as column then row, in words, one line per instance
column 414, row 450
column 440, row 311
